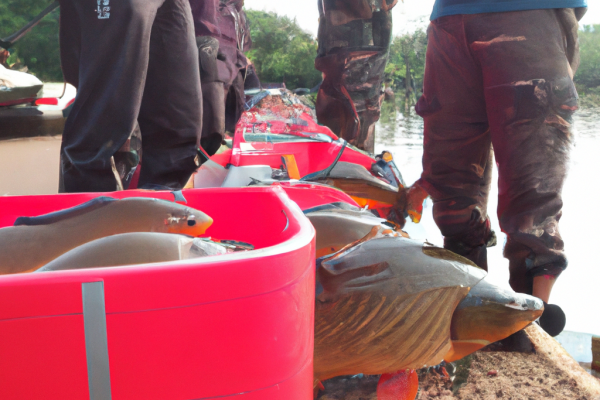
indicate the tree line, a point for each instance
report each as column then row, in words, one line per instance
column 38, row 50
column 587, row 78
column 282, row 51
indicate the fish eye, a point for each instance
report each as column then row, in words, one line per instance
column 191, row 222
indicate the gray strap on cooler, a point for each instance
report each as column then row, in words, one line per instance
column 96, row 343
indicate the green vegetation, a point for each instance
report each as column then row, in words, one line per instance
column 404, row 72
column 38, row 50
column 282, row 51
column 587, row 78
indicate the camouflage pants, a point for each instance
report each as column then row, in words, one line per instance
column 501, row 80
column 354, row 39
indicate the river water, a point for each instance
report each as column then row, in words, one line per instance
column 578, row 288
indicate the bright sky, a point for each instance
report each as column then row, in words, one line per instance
column 407, row 15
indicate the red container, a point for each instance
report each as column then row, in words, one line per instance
column 308, row 195
column 239, row 325
column 310, row 156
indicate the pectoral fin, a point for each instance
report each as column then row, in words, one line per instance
column 462, row 348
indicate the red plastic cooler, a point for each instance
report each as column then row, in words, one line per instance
column 238, row 325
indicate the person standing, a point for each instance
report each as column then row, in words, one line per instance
column 500, row 74
column 354, row 41
column 223, row 35
column 132, row 61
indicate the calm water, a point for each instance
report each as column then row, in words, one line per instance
column 578, row 289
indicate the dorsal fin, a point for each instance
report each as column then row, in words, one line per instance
column 340, row 205
column 62, row 215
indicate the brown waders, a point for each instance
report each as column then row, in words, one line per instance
column 131, row 61
column 354, row 39
column 503, row 80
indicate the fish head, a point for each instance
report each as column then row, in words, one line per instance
column 187, row 221
column 167, row 217
column 488, row 314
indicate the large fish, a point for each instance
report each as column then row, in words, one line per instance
column 35, row 241
column 394, row 203
column 386, row 305
column 338, row 227
column 132, row 249
column 392, row 303
column 361, row 185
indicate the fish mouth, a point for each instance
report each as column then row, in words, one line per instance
column 473, row 329
column 491, row 319
column 489, row 314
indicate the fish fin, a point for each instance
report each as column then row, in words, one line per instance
column 332, row 206
column 462, row 348
column 69, row 213
column 179, row 197
column 373, row 234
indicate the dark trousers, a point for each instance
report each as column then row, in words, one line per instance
column 501, row 79
column 213, row 95
column 222, row 70
column 131, row 60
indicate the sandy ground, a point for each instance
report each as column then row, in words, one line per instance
column 529, row 366
column 29, row 166
column 501, row 375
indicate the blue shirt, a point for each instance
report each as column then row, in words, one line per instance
column 453, row 7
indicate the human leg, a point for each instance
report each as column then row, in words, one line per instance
column 457, row 157
column 111, row 51
column 234, row 102
column 206, row 20
column 213, row 96
column 530, row 99
column 354, row 39
column 171, row 111
column 70, row 42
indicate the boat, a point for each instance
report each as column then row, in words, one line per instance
column 238, row 325
column 39, row 113
column 17, row 87
column 30, row 141
column 278, row 139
